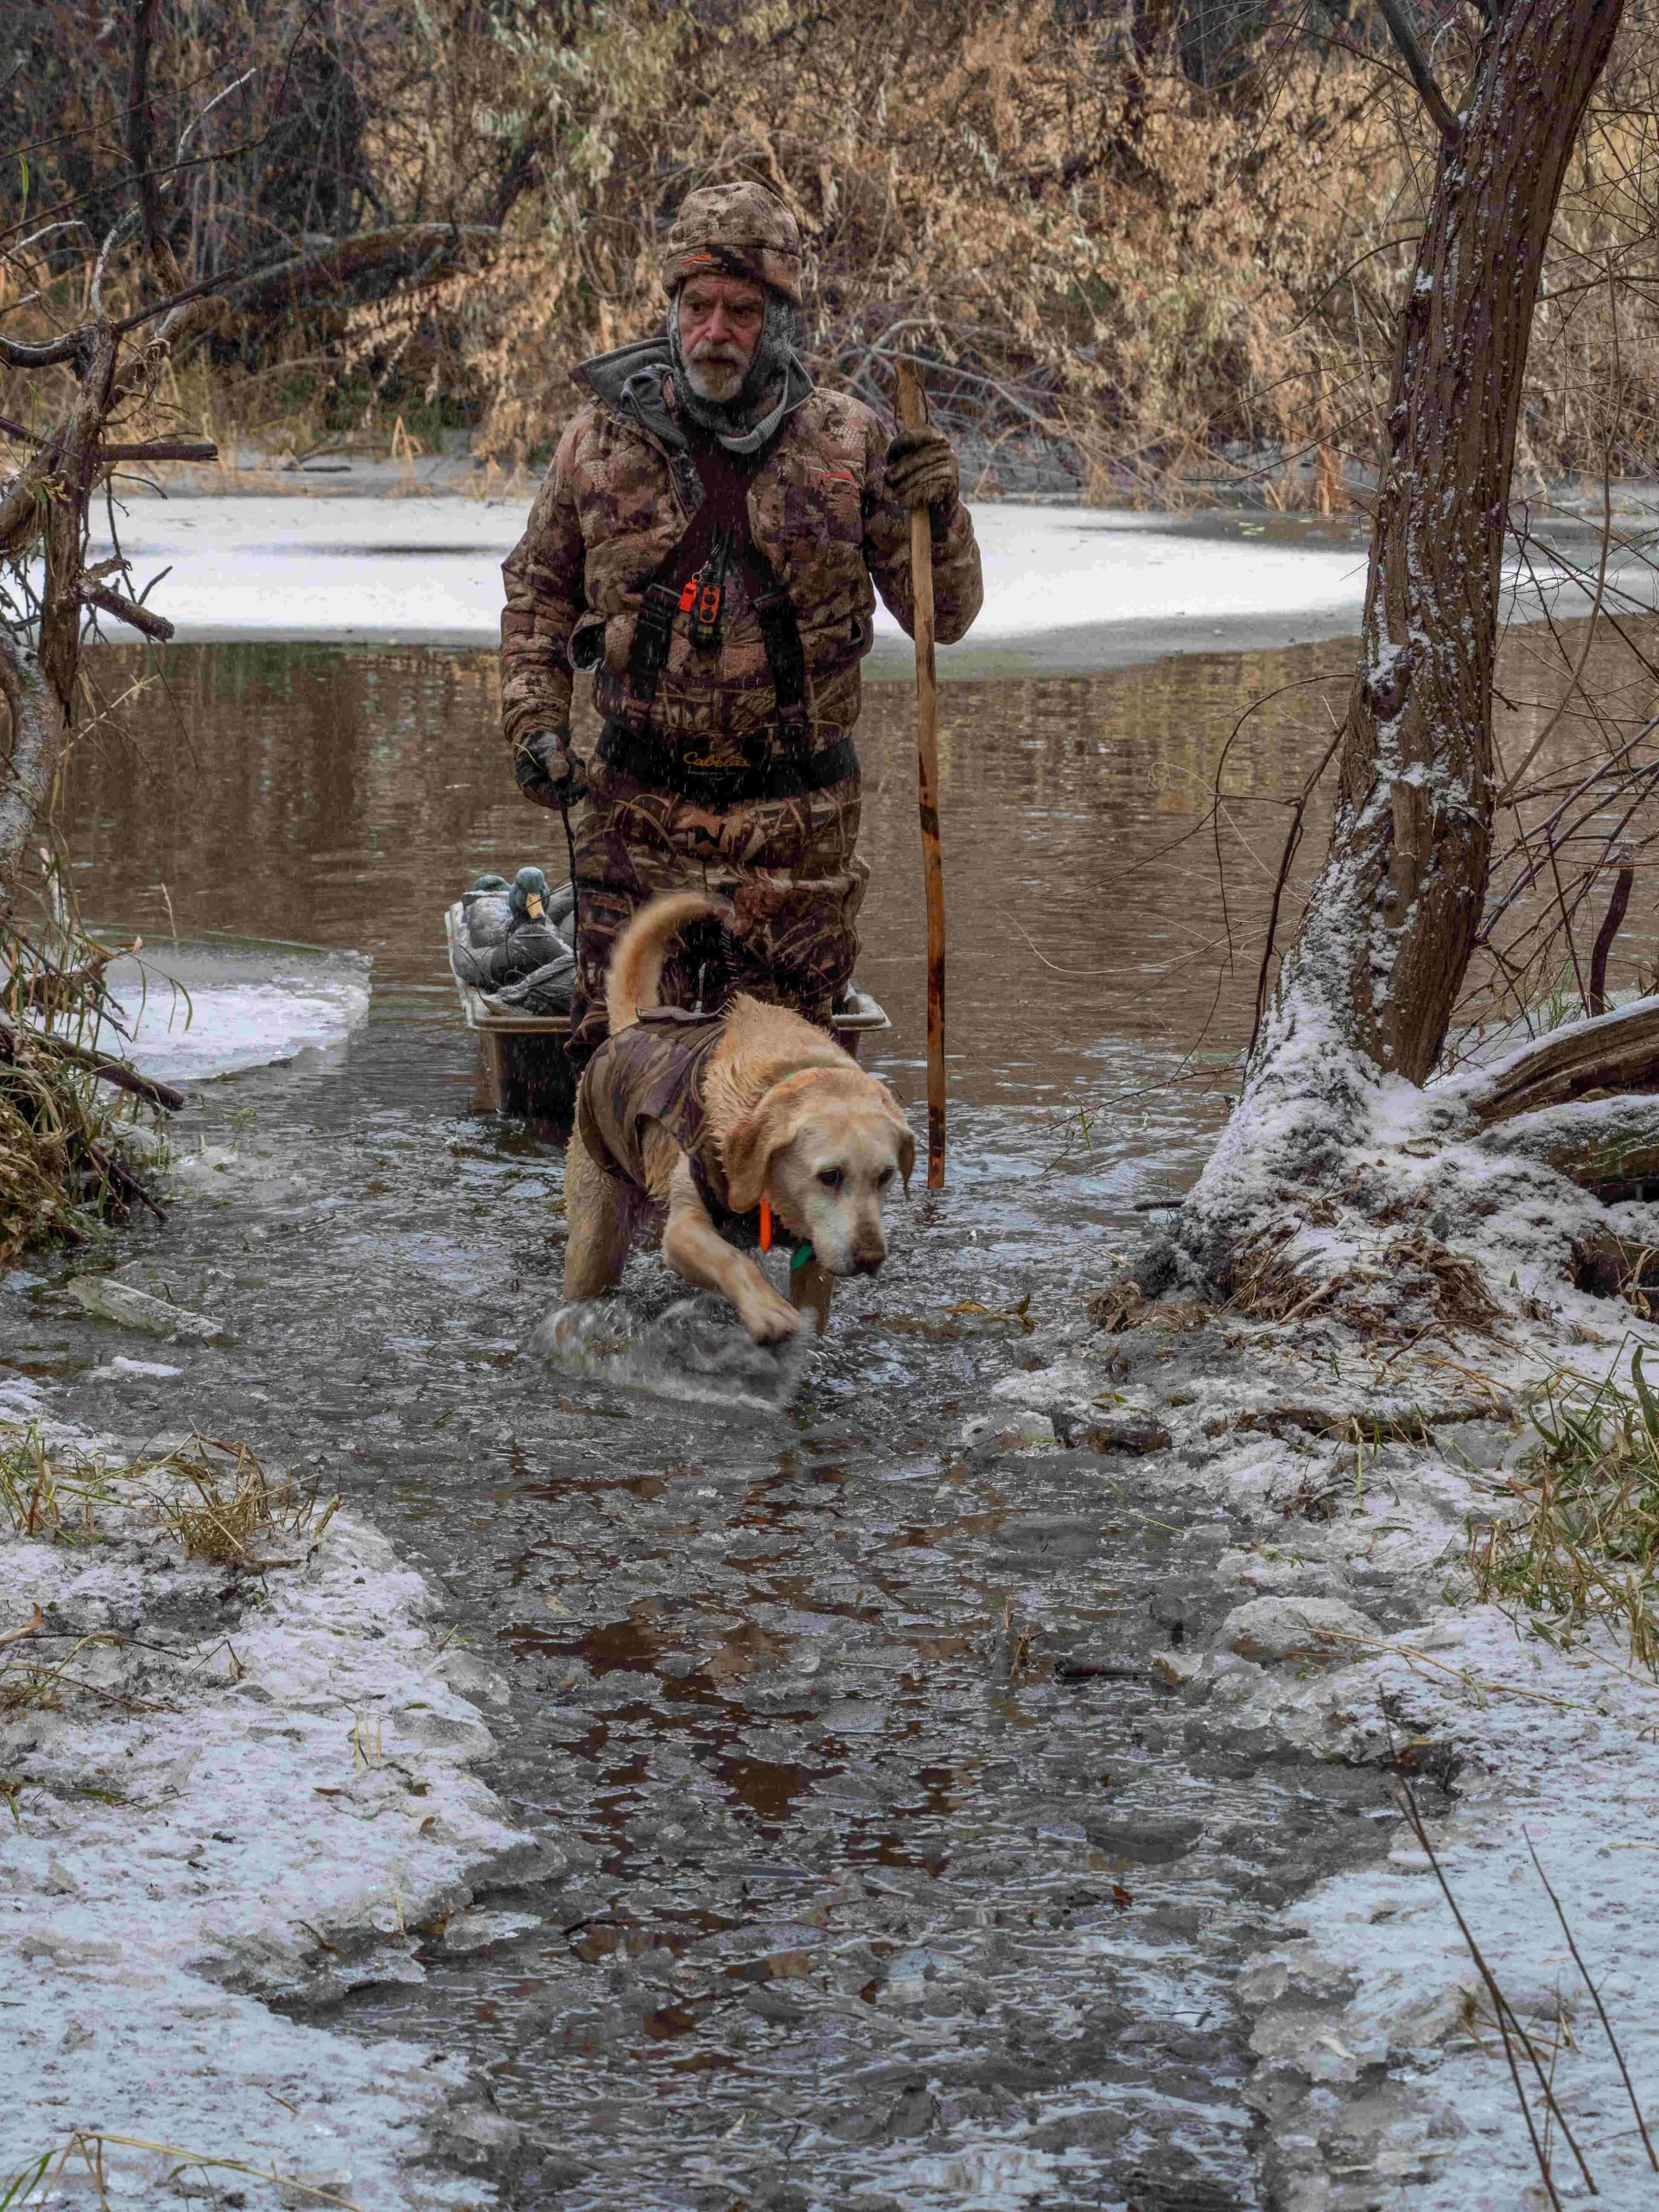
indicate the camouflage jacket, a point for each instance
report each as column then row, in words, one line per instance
column 621, row 490
column 653, row 1071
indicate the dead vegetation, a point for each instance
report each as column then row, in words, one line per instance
column 214, row 1499
column 67, row 1159
column 1417, row 1286
column 189, row 2174
column 1572, row 1535
column 46, row 1493
column 1167, row 244
column 217, row 1500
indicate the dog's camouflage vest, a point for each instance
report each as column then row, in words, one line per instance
column 654, row 1071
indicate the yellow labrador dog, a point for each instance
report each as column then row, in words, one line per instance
column 750, row 1122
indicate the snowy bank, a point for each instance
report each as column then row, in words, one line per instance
column 229, row 1786
column 1358, row 1452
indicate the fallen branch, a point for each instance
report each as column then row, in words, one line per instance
column 1609, row 1145
column 107, row 1070
column 1608, row 1052
column 427, row 245
column 158, row 449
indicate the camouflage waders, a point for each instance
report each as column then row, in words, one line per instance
column 787, row 867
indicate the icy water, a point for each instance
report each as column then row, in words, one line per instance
column 890, row 1881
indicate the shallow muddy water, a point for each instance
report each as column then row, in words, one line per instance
column 341, row 797
column 890, row 1880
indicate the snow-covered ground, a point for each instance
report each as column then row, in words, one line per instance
column 1350, row 1448
column 229, row 1793
column 1354, row 1639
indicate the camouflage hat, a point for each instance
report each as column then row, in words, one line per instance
column 735, row 230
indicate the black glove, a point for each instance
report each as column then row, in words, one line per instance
column 547, row 770
column 922, row 470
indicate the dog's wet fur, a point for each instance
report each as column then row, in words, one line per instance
column 798, row 1123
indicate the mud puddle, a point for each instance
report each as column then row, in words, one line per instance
column 889, row 1880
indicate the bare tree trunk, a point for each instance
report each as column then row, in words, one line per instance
column 68, row 492
column 1366, row 992
column 1392, row 921
column 38, row 732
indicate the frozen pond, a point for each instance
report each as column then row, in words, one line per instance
column 1064, row 588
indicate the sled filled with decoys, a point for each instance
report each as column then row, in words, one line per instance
column 512, row 954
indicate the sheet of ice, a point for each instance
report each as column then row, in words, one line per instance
column 1118, row 585
column 1061, row 568
column 192, row 1012
column 411, row 568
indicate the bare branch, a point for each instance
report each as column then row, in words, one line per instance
column 141, row 140
column 196, row 121
column 107, row 1070
column 1394, row 15
column 156, row 627
column 1616, row 909
column 156, row 449
column 424, row 244
column 69, row 347
column 95, row 290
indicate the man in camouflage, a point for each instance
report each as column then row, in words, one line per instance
column 710, row 541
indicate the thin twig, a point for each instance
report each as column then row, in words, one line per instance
column 1394, row 15
column 1601, row 2009
column 1503, row 2011
column 1292, row 838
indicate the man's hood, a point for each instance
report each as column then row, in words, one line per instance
column 629, row 383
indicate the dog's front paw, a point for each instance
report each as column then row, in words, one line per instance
column 768, row 1318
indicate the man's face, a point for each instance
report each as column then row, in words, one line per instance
column 721, row 319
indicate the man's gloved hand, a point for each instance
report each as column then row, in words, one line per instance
column 922, row 470
column 547, row 770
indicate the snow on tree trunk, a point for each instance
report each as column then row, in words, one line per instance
column 1367, row 991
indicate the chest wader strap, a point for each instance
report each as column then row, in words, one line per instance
column 780, row 634
column 671, row 589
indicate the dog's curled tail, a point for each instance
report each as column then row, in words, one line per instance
column 636, row 969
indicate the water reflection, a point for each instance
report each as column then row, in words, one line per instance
column 338, row 795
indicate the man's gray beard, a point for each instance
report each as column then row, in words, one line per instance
column 698, row 375
column 780, row 333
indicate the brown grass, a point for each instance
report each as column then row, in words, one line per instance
column 65, row 1149
column 215, row 1499
column 221, row 1506
column 1454, row 1285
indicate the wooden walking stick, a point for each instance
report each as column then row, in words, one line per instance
column 912, row 414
